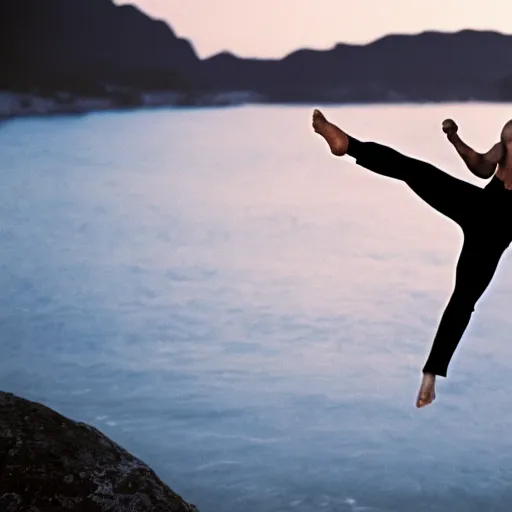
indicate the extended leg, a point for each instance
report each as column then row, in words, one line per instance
column 475, row 269
column 450, row 196
column 478, row 261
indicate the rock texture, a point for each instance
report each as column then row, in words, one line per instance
column 49, row 463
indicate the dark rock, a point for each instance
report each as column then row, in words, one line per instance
column 26, row 103
column 50, row 463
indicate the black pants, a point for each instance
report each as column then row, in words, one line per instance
column 484, row 214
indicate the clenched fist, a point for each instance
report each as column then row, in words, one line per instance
column 450, row 127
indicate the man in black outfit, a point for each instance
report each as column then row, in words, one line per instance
column 478, row 211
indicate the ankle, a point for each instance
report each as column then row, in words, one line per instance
column 355, row 147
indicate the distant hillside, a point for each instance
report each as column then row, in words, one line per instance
column 89, row 46
column 431, row 66
column 80, row 44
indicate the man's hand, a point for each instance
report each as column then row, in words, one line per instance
column 450, row 127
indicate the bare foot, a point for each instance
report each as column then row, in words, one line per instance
column 337, row 139
column 427, row 393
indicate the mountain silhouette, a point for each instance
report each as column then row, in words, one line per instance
column 82, row 44
column 89, row 45
column 428, row 66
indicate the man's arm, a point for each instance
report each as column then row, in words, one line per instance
column 482, row 165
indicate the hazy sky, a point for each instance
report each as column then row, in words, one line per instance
column 273, row 28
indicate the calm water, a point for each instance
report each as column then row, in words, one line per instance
column 250, row 315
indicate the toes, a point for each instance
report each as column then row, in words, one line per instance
column 421, row 403
column 318, row 120
column 425, row 399
column 317, row 114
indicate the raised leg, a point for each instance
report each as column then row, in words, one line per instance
column 454, row 198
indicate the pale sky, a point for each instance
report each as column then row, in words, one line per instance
column 274, row 28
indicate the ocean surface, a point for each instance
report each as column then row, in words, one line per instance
column 249, row 314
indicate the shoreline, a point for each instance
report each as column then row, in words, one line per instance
column 16, row 105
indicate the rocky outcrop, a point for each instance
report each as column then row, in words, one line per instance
column 50, row 463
